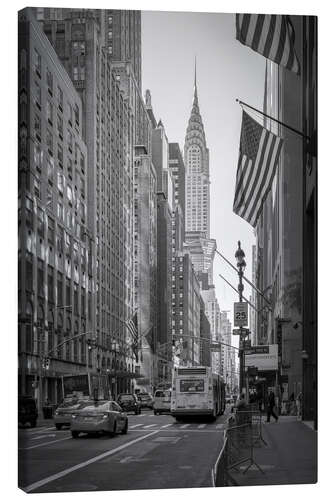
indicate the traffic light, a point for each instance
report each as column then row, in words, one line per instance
column 46, row 363
column 89, row 343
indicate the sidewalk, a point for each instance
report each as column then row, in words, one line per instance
column 290, row 456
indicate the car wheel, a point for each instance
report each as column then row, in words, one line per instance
column 58, row 427
column 125, row 429
column 33, row 423
column 75, row 434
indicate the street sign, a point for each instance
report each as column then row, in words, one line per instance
column 240, row 313
column 241, row 331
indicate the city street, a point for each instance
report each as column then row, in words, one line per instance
column 157, row 452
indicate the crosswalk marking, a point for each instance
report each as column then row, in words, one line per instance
column 219, row 426
column 136, row 425
column 184, row 426
column 201, row 426
column 151, row 425
column 164, row 426
column 152, row 415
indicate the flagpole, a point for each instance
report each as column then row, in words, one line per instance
column 241, row 103
column 245, row 279
column 235, row 289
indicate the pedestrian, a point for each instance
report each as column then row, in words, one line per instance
column 299, row 405
column 270, row 407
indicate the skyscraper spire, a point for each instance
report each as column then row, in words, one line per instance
column 195, row 97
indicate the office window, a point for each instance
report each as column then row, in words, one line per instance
column 49, row 80
column 37, row 188
column 60, row 98
column 37, row 62
column 49, row 111
column 60, row 182
column 49, row 140
column 37, row 126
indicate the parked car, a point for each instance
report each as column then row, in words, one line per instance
column 146, row 400
column 129, row 402
column 100, row 416
column 63, row 414
column 27, row 411
column 162, row 401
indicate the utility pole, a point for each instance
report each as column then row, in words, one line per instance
column 241, row 264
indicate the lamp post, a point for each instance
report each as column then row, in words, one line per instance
column 241, row 264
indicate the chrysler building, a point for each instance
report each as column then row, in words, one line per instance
column 196, row 156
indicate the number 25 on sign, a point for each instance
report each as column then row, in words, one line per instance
column 240, row 313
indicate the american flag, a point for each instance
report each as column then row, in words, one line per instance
column 259, row 152
column 132, row 325
column 270, row 36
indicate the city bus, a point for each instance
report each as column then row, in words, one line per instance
column 197, row 391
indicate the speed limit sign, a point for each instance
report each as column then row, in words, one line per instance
column 240, row 313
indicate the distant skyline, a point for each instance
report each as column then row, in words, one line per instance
column 226, row 70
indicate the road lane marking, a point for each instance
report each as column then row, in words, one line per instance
column 184, row 426
column 167, row 425
column 43, row 436
column 151, row 425
column 45, row 444
column 136, row 425
column 31, row 432
column 65, row 472
column 202, row 426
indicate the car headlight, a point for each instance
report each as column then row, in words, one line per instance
column 74, row 416
column 56, row 413
column 105, row 415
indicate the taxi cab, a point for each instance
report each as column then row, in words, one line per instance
column 99, row 416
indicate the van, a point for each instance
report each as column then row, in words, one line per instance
column 162, row 401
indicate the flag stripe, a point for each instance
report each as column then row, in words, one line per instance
column 256, row 173
column 268, row 179
column 258, row 34
column 243, row 171
column 269, row 35
column 258, row 157
column 264, row 174
column 244, row 27
column 251, row 29
column 281, row 40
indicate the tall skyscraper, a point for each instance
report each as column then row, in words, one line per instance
column 110, row 131
column 55, row 276
column 196, row 156
column 197, row 218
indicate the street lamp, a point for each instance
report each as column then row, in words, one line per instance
column 241, row 264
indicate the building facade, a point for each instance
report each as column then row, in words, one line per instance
column 55, row 261
column 145, row 264
column 286, row 252
column 110, row 133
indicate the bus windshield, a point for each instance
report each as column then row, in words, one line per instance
column 191, row 385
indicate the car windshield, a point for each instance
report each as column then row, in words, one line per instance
column 126, row 397
column 162, row 394
column 95, row 406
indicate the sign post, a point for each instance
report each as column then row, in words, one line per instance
column 240, row 314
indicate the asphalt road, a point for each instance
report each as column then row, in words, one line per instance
column 157, row 452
